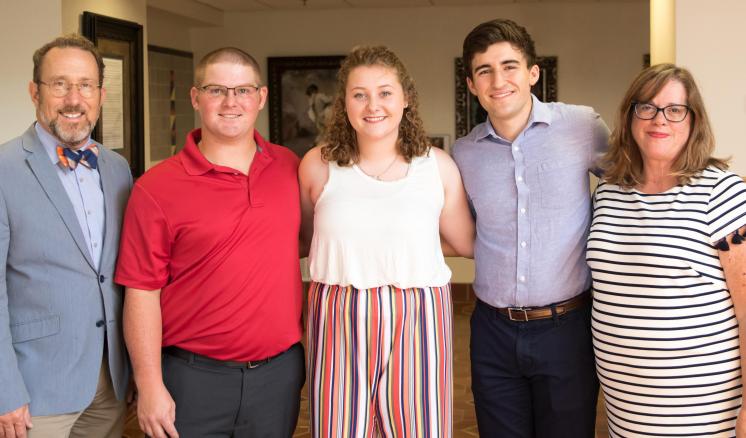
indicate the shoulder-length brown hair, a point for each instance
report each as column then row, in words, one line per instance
column 623, row 164
column 339, row 139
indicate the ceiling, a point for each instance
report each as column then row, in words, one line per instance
column 264, row 5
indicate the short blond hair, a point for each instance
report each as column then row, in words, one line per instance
column 231, row 55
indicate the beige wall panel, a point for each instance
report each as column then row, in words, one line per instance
column 17, row 111
column 710, row 42
column 168, row 30
column 599, row 45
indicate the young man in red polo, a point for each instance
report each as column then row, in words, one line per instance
column 209, row 256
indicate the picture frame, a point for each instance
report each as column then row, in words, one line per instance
column 441, row 141
column 469, row 113
column 301, row 94
column 121, row 41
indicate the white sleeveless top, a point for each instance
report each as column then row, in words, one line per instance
column 370, row 233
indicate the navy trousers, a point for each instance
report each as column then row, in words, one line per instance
column 535, row 378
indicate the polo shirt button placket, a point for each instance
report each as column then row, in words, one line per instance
column 244, row 180
column 249, row 196
column 254, row 199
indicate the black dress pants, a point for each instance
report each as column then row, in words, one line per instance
column 535, row 378
column 219, row 401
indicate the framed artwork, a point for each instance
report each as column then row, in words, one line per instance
column 441, row 141
column 301, row 92
column 469, row 113
column 121, row 123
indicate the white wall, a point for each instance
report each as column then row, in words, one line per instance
column 600, row 45
column 72, row 11
column 600, row 48
column 710, row 40
column 18, row 45
column 168, row 30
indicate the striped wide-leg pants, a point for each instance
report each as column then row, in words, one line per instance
column 380, row 361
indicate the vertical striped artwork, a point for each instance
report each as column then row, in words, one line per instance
column 172, row 112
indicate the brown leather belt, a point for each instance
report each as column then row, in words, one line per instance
column 532, row 313
column 194, row 357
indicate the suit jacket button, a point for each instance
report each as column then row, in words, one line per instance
column 101, row 278
column 100, row 323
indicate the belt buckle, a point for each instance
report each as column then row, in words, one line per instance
column 254, row 364
column 521, row 311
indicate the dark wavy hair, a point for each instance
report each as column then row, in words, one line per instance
column 497, row 31
column 623, row 164
column 339, row 141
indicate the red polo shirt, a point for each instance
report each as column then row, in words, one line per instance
column 223, row 247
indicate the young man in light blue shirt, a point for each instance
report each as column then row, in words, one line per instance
column 526, row 171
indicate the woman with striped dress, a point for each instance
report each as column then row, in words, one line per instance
column 377, row 199
column 668, row 267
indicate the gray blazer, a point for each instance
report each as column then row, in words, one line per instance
column 55, row 308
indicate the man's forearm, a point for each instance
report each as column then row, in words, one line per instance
column 143, row 330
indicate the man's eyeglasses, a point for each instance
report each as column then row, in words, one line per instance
column 61, row 87
column 221, row 91
column 672, row 113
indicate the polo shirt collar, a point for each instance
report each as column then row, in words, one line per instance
column 540, row 113
column 196, row 164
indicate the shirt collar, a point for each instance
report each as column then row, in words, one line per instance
column 196, row 164
column 50, row 142
column 540, row 113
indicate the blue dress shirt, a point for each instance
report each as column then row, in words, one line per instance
column 531, row 199
column 83, row 187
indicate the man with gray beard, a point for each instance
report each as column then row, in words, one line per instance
column 63, row 366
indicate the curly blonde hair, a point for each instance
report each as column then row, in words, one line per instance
column 339, row 139
column 623, row 163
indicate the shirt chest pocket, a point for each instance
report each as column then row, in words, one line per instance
column 563, row 183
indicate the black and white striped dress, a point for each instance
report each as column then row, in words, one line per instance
column 664, row 330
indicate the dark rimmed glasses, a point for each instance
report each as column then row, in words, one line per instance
column 672, row 113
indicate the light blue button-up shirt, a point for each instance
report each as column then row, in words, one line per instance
column 531, row 199
column 83, row 187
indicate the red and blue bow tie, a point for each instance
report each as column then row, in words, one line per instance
column 70, row 158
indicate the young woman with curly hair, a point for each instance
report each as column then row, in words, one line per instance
column 377, row 201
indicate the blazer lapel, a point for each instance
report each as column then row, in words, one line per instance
column 44, row 171
column 105, row 171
